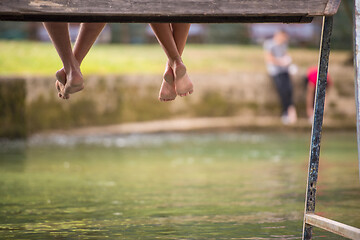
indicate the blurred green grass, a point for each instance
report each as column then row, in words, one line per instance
column 36, row 58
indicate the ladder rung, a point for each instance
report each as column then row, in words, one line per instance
column 332, row 226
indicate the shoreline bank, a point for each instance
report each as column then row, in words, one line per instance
column 201, row 124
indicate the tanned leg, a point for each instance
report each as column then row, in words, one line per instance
column 59, row 35
column 183, row 85
column 180, row 33
column 87, row 36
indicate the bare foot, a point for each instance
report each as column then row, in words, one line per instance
column 60, row 81
column 67, row 84
column 74, row 83
column 292, row 114
column 183, row 84
column 167, row 90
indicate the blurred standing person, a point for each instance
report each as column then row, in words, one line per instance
column 278, row 62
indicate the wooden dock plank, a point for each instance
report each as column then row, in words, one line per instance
column 333, row 226
column 181, row 10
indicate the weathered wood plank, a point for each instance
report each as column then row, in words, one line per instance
column 180, row 10
column 331, row 7
column 333, row 226
column 148, row 19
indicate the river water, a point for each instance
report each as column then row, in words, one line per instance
column 220, row 185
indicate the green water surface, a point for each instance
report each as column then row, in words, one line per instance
column 173, row 186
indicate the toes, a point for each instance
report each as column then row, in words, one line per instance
column 166, row 99
column 66, row 95
column 60, row 92
column 57, row 86
column 63, row 96
column 186, row 93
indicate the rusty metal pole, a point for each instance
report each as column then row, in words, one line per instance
column 357, row 71
column 317, row 123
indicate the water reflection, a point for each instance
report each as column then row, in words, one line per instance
column 140, row 140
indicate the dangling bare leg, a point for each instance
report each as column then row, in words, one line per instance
column 88, row 34
column 180, row 33
column 59, row 35
column 167, row 89
column 183, row 85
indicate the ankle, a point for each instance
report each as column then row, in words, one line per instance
column 78, row 57
column 174, row 62
column 72, row 67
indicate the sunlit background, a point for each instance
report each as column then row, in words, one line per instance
column 114, row 162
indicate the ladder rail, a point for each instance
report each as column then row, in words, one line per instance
column 310, row 219
column 313, row 167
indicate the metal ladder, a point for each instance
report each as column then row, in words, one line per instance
column 310, row 218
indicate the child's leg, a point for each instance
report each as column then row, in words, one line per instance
column 59, row 35
column 166, row 39
column 167, row 89
column 180, row 33
column 87, row 36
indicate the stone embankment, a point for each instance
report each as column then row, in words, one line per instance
column 122, row 104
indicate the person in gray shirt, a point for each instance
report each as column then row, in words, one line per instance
column 277, row 63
